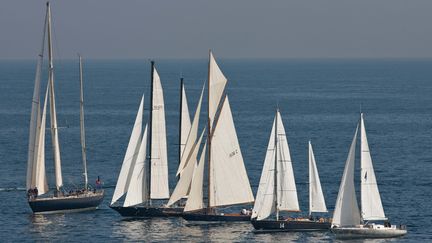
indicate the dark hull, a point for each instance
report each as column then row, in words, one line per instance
column 289, row 225
column 142, row 211
column 66, row 204
column 209, row 217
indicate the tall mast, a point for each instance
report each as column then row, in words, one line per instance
column 180, row 123
column 209, row 130
column 82, row 131
column 275, row 164
column 150, row 130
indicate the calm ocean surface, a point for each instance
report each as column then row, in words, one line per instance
column 319, row 100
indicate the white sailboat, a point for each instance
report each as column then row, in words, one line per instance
column 277, row 189
column 143, row 178
column 228, row 183
column 37, row 186
column 348, row 220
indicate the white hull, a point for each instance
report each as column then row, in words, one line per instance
column 365, row 232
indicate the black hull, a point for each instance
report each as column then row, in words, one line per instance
column 142, row 211
column 289, row 225
column 209, row 217
column 66, row 204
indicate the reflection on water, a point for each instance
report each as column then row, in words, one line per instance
column 44, row 225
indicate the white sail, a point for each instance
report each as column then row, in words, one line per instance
column 35, row 113
column 371, row 205
column 130, row 156
column 137, row 190
column 185, row 123
column 217, row 82
column 265, row 200
column 346, row 210
column 287, row 191
column 53, row 113
column 159, row 159
column 316, row 196
column 228, row 178
column 192, row 136
column 195, row 199
column 183, row 185
column 82, row 127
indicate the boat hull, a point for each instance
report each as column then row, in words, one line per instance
column 289, row 225
column 66, row 204
column 354, row 232
column 141, row 211
column 210, row 217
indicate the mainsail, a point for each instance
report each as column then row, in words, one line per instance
column 347, row 211
column 217, row 82
column 316, row 196
column 371, row 205
column 82, row 130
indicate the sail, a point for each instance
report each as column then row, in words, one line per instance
column 316, row 196
column 159, row 160
column 183, row 185
column 228, row 178
column 130, row 156
column 286, row 187
column 217, row 82
column 53, row 113
column 195, row 199
column 265, row 200
column 137, row 190
column 185, row 123
column 35, row 113
column 346, row 210
column 82, row 127
column 371, row 205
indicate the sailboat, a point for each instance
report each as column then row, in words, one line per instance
column 37, row 185
column 228, row 183
column 143, row 178
column 277, row 190
column 348, row 220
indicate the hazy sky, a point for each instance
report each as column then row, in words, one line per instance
column 232, row 28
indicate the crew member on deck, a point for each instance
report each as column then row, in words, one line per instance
column 98, row 183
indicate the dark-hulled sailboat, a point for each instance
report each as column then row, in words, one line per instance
column 277, row 190
column 37, row 186
column 228, row 183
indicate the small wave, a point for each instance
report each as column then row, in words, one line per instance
column 10, row 189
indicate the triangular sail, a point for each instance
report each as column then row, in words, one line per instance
column 217, row 82
column 316, row 196
column 195, row 199
column 228, row 178
column 159, row 159
column 185, row 123
column 371, row 205
column 192, row 136
column 82, row 127
column 137, row 190
column 183, row 185
column 347, row 211
column 265, row 200
column 130, row 156
column 287, row 191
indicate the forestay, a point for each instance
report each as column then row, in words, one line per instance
column 316, row 196
column 195, row 199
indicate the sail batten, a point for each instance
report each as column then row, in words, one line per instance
column 316, row 196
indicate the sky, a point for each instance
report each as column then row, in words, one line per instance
column 129, row 29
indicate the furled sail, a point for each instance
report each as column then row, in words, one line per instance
column 195, row 199
column 192, row 136
column 346, row 210
column 130, row 156
column 228, row 178
column 316, row 196
column 137, row 190
column 287, row 192
column 159, row 159
column 183, row 185
column 217, row 82
column 371, row 205
column 82, row 127
column 185, row 123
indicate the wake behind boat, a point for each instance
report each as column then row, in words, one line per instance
column 348, row 220
column 37, row 185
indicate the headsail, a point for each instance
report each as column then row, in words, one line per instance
column 228, row 178
column 159, row 159
column 195, row 199
column 185, row 123
column 130, row 156
column 371, row 205
column 316, row 196
column 347, row 211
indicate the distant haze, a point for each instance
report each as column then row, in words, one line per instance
column 232, row 28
